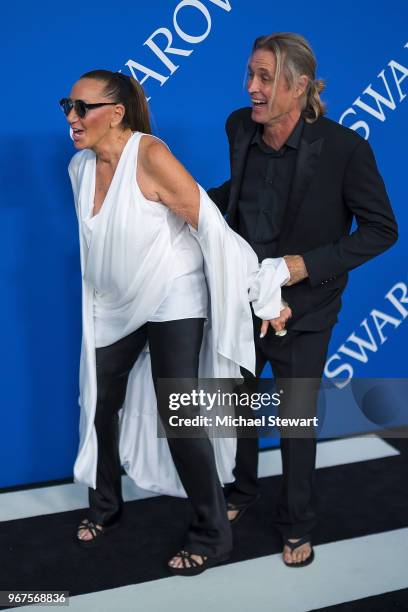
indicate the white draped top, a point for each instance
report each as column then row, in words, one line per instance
column 137, row 260
column 184, row 294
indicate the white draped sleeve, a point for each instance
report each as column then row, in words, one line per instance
column 265, row 288
column 235, row 279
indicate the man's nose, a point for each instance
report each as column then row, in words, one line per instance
column 253, row 85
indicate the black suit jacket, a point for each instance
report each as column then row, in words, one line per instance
column 335, row 180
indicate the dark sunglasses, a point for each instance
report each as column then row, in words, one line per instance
column 81, row 107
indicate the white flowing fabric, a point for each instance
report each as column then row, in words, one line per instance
column 130, row 261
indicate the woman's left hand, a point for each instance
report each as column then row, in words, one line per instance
column 278, row 324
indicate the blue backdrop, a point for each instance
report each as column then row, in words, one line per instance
column 362, row 49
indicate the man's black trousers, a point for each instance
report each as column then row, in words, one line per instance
column 297, row 362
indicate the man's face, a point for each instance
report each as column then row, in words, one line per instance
column 260, row 84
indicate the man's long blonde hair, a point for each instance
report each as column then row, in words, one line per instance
column 294, row 57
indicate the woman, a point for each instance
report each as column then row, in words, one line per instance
column 144, row 307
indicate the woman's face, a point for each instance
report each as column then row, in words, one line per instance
column 91, row 130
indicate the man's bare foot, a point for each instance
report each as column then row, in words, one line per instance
column 299, row 554
column 232, row 514
column 235, row 511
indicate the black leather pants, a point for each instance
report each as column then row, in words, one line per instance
column 174, row 349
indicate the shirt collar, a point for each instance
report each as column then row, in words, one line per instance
column 293, row 141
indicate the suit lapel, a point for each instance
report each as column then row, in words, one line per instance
column 306, row 165
column 243, row 138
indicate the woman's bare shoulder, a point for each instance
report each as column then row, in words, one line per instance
column 153, row 151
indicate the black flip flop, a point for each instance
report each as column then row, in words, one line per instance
column 294, row 545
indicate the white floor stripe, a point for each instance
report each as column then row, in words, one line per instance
column 59, row 498
column 332, row 452
column 62, row 498
column 342, row 571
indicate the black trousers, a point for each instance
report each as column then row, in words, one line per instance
column 297, row 362
column 174, row 350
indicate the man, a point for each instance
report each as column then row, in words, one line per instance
column 297, row 181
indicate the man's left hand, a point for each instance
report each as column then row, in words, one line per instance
column 297, row 269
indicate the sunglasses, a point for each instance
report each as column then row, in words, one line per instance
column 81, row 107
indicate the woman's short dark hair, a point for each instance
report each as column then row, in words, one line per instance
column 127, row 91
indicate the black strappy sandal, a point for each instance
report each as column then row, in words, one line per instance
column 191, row 567
column 240, row 509
column 96, row 533
column 293, row 546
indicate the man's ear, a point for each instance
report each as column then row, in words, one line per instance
column 301, row 85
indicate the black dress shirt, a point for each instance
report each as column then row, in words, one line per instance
column 265, row 191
